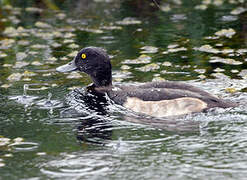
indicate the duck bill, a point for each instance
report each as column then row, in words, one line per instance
column 67, row 67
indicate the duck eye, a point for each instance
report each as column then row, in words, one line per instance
column 83, row 56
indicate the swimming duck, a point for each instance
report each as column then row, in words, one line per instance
column 158, row 99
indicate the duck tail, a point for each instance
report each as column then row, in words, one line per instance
column 221, row 103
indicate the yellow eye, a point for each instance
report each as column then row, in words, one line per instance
column 83, row 56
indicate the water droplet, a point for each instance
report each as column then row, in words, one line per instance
column 25, row 88
column 48, row 102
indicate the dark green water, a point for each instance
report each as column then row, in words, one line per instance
column 202, row 43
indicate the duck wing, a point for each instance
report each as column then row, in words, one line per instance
column 156, row 92
column 175, row 85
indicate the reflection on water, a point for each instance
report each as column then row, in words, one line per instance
column 49, row 131
column 80, row 166
column 96, row 114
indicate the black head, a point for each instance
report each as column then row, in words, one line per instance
column 95, row 62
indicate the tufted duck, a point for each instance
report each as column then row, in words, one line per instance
column 157, row 99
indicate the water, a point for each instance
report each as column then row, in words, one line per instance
column 50, row 128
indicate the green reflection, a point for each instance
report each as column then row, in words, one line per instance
column 47, row 33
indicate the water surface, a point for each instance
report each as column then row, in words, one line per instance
column 46, row 132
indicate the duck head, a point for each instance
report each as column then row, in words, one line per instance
column 93, row 61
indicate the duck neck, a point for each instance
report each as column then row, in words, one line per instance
column 104, row 80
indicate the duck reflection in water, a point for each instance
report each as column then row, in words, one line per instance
column 90, row 108
column 94, row 111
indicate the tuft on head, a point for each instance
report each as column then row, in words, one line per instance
column 95, row 62
column 91, row 58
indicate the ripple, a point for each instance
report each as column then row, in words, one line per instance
column 48, row 104
column 23, row 99
column 78, row 166
column 25, row 146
